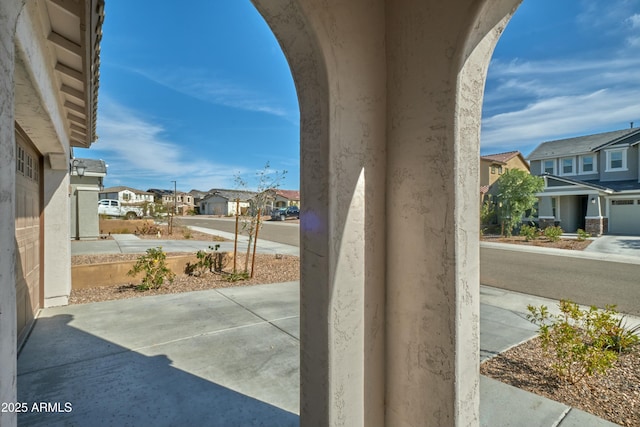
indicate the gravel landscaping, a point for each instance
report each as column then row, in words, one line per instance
column 268, row 269
column 614, row 396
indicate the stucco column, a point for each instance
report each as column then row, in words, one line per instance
column 57, row 242
column 438, row 53
column 8, row 17
column 390, row 95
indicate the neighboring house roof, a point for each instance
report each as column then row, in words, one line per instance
column 289, row 194
column 500, row 157
column 596, row 185
column 504, row 158
column 120, row 188
column 92, row 166
column 484, row 189
column 580, row 144
column 231, row 195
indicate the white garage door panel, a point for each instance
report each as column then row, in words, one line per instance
column 625, row 218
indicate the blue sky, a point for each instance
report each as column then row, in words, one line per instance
column 203, row 94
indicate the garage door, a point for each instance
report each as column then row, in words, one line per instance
column 624, row 217
column 27, row 232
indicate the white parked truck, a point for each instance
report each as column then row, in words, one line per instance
column 111, row 207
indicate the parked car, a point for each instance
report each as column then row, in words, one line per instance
column 284, row 213
column 114, row 208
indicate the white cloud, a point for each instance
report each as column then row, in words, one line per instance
column 634, row 20
column 205, row 86
column 528, row 102
column 140, row 155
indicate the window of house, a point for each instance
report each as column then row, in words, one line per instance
column 617, row 160
column 20, row 160
column 554, row 209
column 549, row 167
column 588, row 164
column 622, row 202
column 499, row 170
column 493, row 169
column 568, row 166
column 29, row 171
column 126, row 196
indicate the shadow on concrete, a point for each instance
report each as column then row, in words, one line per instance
column 105, row 384
column 629, row 243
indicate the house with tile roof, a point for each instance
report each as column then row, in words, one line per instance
column 492, row 166
column 285, row 198
column 592, row 182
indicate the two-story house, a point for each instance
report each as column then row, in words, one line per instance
column 127, row 195
column 492, row 166
column 592, row 182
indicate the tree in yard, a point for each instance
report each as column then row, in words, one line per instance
column 267, row 181
column 517, row 194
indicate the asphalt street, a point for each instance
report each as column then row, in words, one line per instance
column 287, row 232
column 587, row 278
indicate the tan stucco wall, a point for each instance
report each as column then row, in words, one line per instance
column 115, row 273
column 390, row 95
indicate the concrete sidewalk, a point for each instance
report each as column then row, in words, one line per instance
column 225, row 357
column 129, row 243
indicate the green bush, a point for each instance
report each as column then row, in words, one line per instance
column 553, row 233
column 581, row 343
column 207, row 261
column 582, row 235
column 155, row 269
column 529, row 232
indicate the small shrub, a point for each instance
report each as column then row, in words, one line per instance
column 155, row 269
column 186, row 233
column 582, row 235
column 147, row 228
column 529, row 232
column 236, row 277
column 621, row 338
column 207, row 261
column 581, row 343
column 553, row 233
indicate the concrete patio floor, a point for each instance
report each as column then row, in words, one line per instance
column 226, row 357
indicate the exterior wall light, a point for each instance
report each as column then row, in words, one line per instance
column 593, row 200
column 79, row 167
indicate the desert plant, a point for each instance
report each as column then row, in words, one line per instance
column 580, row 342
column 582, row 235
column 553, row 233
column 187, row 234
column 529, row 232
column 622, row 338
column 207, row 261
column 237, row 277
column 155, row 269
column 147, row 228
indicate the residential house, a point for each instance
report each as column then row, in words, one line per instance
column 227, row 202
column 592, row 182
column 492, row 166
column 286, row 198
column 197, row 196
column 127, row 195
column 85, row 182
column 181, row 202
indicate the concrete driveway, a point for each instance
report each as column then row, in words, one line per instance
column 616, row 245
column 222, row 358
